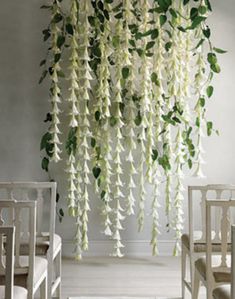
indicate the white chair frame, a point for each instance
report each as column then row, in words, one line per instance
column 209, row 282
column 14, row 209
column 53, row 254
column 223, row 291
column 9, row 232
column 190, row 253
column 233, row 263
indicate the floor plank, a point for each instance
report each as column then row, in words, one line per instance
column 121, row 277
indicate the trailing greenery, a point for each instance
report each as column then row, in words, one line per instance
column 134, row 77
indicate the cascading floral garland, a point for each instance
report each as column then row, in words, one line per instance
column 135, row 76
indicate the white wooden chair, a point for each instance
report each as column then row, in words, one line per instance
column 48, row 243
column 194, row 242
column 215, row 270
column 228, row 291
column 29, row 271
column 9, row 291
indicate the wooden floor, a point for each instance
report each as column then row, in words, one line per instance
column 146, row 277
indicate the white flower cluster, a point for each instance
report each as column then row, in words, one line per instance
column 55, row 89
column 145, row 110
column 129, row 62
column 117, row 169
column 104, row 106
column 158, row 91
column 85, row 81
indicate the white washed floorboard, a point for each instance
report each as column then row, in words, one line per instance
column 111, row 278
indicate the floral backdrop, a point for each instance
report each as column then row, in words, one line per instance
column 129, row 84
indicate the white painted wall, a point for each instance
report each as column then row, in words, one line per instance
column 24, row 104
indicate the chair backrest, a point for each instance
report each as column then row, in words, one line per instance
column 197, row 196
column 8, row 233
column 223, row 264
column 44, row 193
column 233, row 263
column 20, row 214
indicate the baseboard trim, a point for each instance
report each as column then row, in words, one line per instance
column 132, row 248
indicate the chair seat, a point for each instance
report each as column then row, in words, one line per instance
column 219, row 276
column 200, row 246
column 20, row 279
column 222, row 292
column 42, row 245
column 18, row 292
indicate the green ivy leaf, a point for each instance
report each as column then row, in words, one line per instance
column 102, row 195
column 180, row 28
column 211, row 58
column 45, row 164
column 57, row 18
column 168, row 46
column 202, row 102
column 163, row 19
column 164, row 162
column 190, row 163
column 46, row 34
column 96, row 172
column 61, row 212
column 48, row 118
column 154, row 154
column 46, row 138
column 43, row 62
column 197, row 21
column 209, row 126
column 97, row 115
column 197, row 123
column 193, row 13
column 208, row 4
column 154, row 34
column 69, row 29
column 125, row 72
column 150, row 45
column 207, row 32
column 93, row 142
column 209, row 91
column 138, row 119
column 154, row 78
column 173, row 13
column 202, row 9
column 215, row 68
column 43, row 76
column 219, row 51
column 57, row 57
column 60, row 41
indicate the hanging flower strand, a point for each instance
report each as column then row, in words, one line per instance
column 128, row 74
column 55, row 89
column 158, row 91
column 85, row 78
column 105, row 106
column 145, row 103
column 117, row 168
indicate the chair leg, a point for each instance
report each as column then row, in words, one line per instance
column 192, row 272
column 58, row 273
column 49, row 276
column 43, row 289
column 183, row 270
column 196, row 286
column 209, row 292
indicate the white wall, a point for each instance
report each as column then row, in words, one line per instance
column 24, row 104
